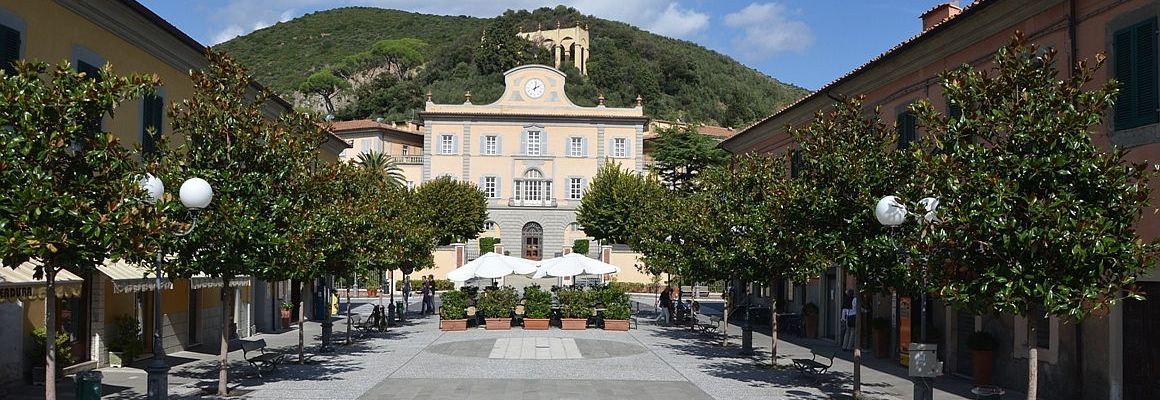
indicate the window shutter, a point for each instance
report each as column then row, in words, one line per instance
column 482, row 187
column 611, row 153
column 583, row 186
column 906, row 130
column 1126, row 101
column 455, row 144
column 795, row 163
column 483, row 145
column 498, row 144
column 439, row 145
column 1145, row 52
column 9, row 48
column 151, row 120
column 93, row 73
column 524, row 143
column 498, row 189
column 584, row 146
column 628, row 148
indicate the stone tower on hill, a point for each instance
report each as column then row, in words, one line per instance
column 568, row 45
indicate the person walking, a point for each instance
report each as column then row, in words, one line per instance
column 849, row 318
column 431, row 297
column 666, row 305
column 406, row 292
column 427, row 292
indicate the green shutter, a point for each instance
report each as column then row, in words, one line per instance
column 1146, row 102
column 9, row 48
column 795, row 163
column 1135, row 68
column 151, row 114
column 91, row 72
column 906, row 129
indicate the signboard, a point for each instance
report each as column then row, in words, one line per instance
column 904, row 329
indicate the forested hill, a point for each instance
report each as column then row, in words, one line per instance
column 390, row 58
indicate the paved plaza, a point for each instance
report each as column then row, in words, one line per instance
column 418, row 361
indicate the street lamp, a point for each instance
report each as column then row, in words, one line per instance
column 195, row 194
column 924, row 363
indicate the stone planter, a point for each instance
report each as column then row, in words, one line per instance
column 616, row 324
column 536, row 324
column 498, row 324
column 116, row 359
column 573, row 324
column 453, row 324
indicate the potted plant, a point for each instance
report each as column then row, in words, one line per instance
column 881, row 337
column 125, row 342
column 810, row 312
column 538, row 307
column 616, row 316
column 285, row 308
column 453, row 311
column 39, row 348
column 575, row 307
column 982, row 346
column 497, row 305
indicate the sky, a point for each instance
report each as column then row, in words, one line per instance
column 808, row 43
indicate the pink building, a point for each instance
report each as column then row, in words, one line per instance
column 1103, row 357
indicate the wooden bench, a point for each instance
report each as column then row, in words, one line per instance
column 254, row 351
column 812, row 365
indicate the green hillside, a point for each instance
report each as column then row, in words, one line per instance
column 678, row 79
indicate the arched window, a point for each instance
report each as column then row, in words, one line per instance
column 532, row 238
column 533, row 189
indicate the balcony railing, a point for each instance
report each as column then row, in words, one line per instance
column 408, row 160
column 513, row 202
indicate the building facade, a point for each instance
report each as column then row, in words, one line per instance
column 1109, row 356
column 89, row 34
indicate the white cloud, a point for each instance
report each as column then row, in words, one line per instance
column 768, row 29
column 665, row 17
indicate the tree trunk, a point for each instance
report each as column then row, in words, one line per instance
column 348, row 314
column 725, row 326
column 1032, row 357
column 224, row 354
column 301, row 318
column 859, row 322
column 773, row 320
column 50, row 332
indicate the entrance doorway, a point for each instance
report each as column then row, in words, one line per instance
column 1141, row 355
column 532, row 237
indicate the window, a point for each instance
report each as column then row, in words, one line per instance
column 533, row 189
column 533, row 142
column 490, row 226
column 574, row 227
column 406, row 149
column 446, row 144
column 575, row 188
column 10, row 41
column 152, row 108
column 795, row 163
column 94, row 73
column 620, row 148
column 410, row 185
column 490, row 145
column 1134, row 62
column 575, row 147
column 490, row 187
column 365, row 146
column 907, row 129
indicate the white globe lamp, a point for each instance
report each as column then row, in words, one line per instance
column 890, row 211
column 153, row 188
column 196, row 193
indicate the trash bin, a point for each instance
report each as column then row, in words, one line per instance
column 399, row 310
column 89, row 385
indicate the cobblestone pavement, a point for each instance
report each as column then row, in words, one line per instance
column 418, row 361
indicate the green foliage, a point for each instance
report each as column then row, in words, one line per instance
column 324, row 84
column 614, row 203
column 498, row 303
column 537, row 302
column 609, row 295
column 400, row 55
column 617, row 311
column 501, row 48
column 384, row 96
column 453, row 305
column 678, row 79
column 982, row 341
column 487, row 244
column 575, row 302
column 456, row 210
column 62, row 346
column 382, row 164
column 1034, row 214
column 580, row 246
column 126, row 337
column 680, row 154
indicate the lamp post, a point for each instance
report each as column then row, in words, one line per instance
column 195, row 194
column 924, row 364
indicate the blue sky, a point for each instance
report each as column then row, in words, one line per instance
column 805, row 42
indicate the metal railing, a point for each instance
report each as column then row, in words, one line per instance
column 409, row 160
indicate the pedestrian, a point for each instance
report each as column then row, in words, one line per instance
column 849, row 318
column 427, row 291
column 431, row 298
column 406, row 290
column 666, row 304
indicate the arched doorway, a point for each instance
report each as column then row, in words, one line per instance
column 532, row 237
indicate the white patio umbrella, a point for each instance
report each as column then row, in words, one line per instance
column 492, row 265
column 573, row 264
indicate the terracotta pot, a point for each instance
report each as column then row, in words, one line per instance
column 285, row 314
column 616, row 324
column 498, row 324
column 536, row 324
column 981, row 365
column 811, row 325
column 453, row 324
column 573, row 324
column 881, row 343
column 372, row 292
column 285, row 322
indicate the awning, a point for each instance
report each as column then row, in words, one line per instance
column 131, row 278
column 202, row 281
column 19, row 284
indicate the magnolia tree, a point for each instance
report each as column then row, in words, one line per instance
column 848, row 156
column 68, row 189
column 457, row 210
column 1036, row 219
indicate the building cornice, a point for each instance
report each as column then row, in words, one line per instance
column 532, row 118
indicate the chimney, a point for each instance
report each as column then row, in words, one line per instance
column 940, row 13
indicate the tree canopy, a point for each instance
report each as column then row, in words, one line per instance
column 680, row 154
column 456, row 210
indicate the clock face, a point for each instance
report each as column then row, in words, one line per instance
column 534, row 88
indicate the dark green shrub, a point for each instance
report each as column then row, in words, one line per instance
column 63, row 349
column 126, row 337
column 498, row 303
column 487, row 244
column 617, row 311
column 454, row 305
column 580, row 246
column 575, row 303
column 537, row 302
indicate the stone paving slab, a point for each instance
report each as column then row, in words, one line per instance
column 531, row 389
